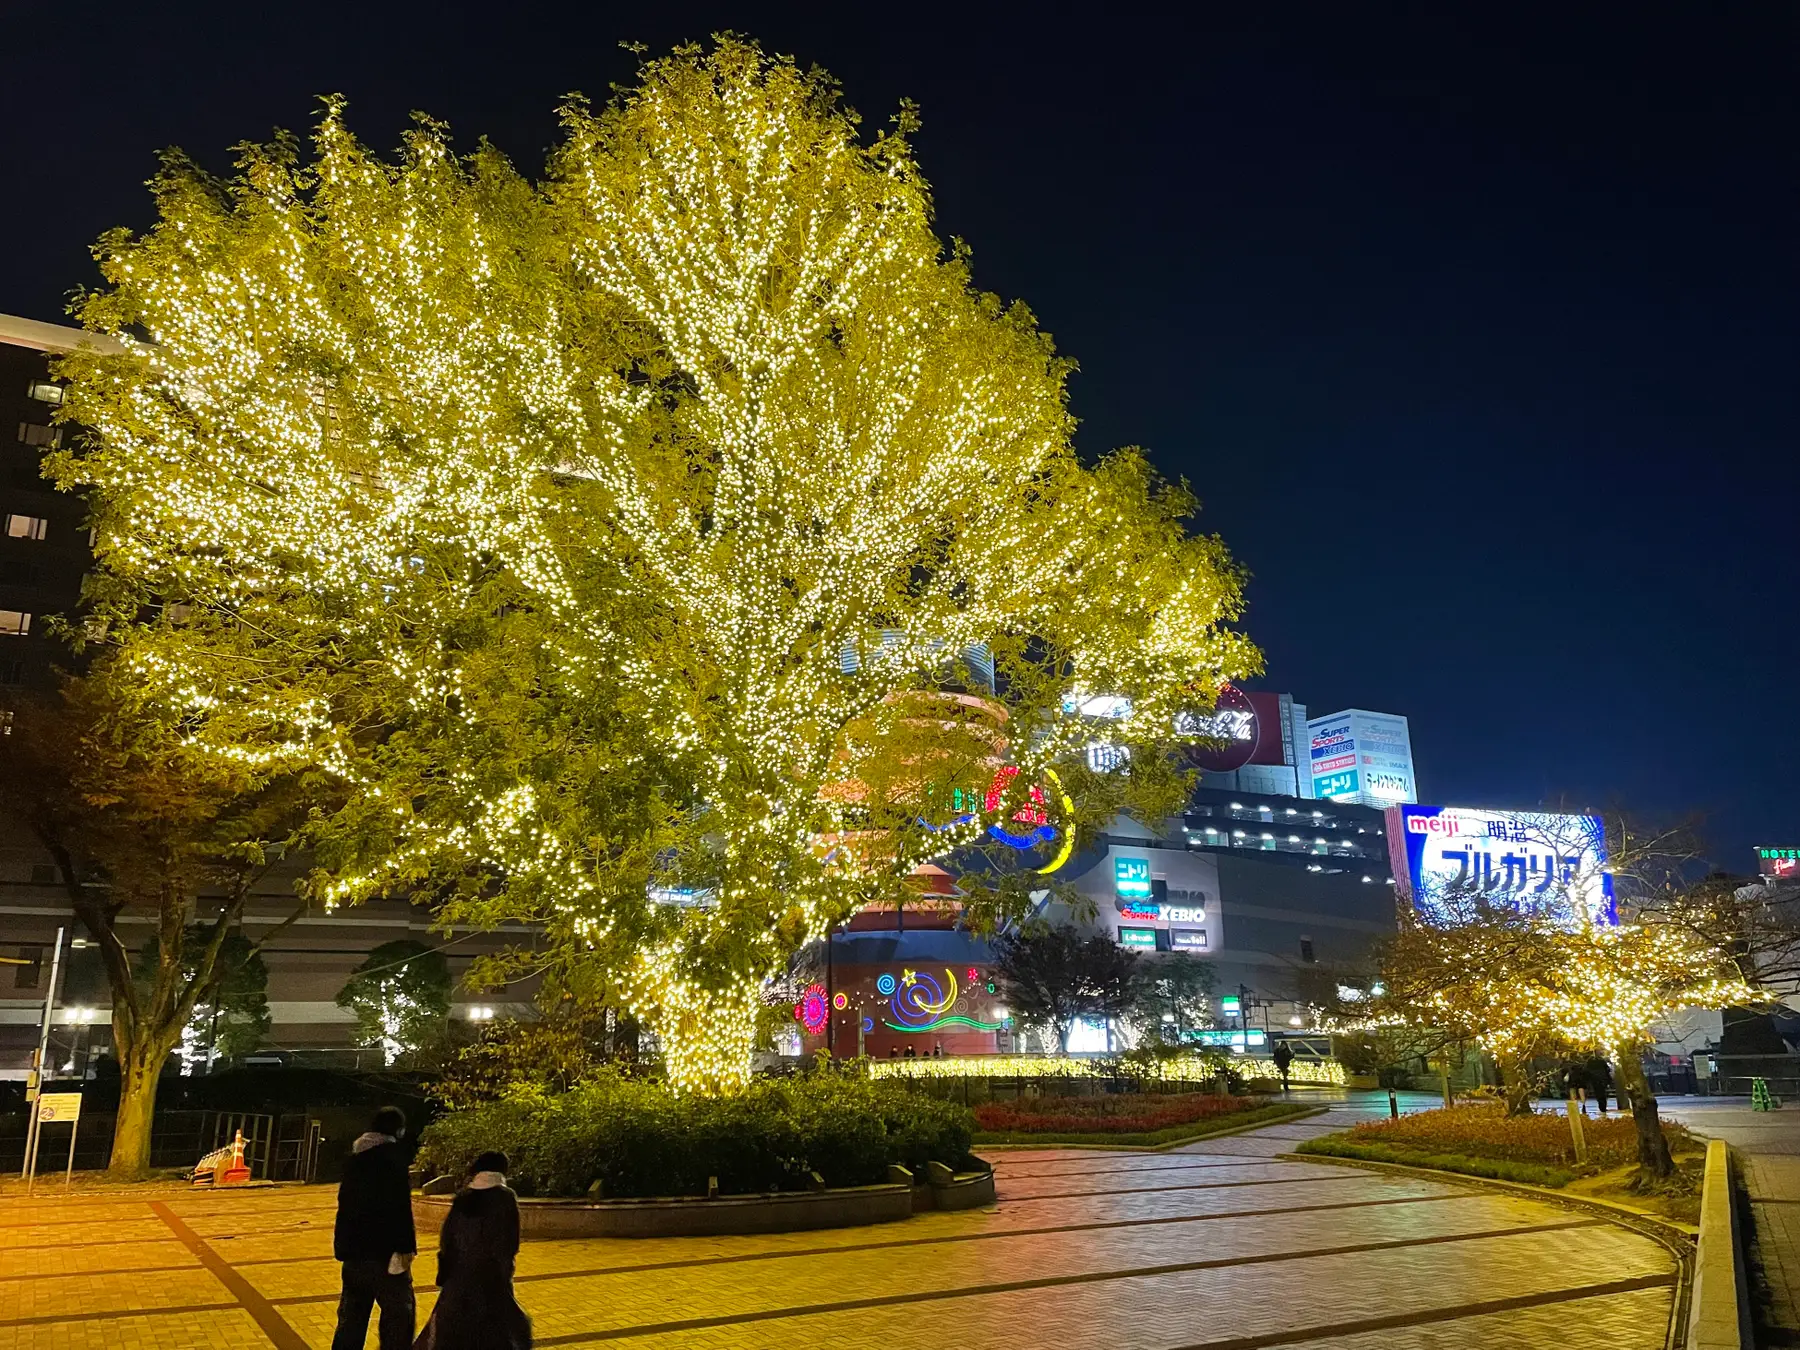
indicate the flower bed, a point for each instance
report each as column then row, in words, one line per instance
column 1122, row 1118
column 635, row 1138
column 1484, row 1141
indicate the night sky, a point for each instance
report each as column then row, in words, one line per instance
column 1476, row 334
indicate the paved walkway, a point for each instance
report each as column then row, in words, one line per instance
column 1218, row 1246
column 1768, row 1145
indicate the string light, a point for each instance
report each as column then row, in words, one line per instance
column 534, row 521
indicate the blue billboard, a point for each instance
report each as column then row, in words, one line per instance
column 1446, row 856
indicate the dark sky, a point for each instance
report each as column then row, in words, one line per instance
column 1477, row 333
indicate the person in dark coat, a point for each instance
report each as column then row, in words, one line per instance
column 374, row 1237
column 1599, row 1081
column 476, row 1309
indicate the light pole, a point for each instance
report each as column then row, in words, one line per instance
column 35, row 1081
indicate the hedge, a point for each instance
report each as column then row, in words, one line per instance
column 636, row 1138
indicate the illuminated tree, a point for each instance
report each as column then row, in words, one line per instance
column 618, row 544
column 400, row 997
column 1554, row 976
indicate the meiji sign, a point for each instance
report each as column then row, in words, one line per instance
column 1446, row 857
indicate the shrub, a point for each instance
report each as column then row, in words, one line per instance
column 637, row 1138
column 1486, row 1131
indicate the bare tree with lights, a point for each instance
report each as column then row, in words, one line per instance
column 1571, row 965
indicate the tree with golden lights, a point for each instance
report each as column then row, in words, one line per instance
column 1555, row 975
column 623, row 544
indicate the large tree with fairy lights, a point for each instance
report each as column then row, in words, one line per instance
column 623, row 544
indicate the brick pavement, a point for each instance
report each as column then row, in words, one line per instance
column 1217, row 1245
column 1767, row 1144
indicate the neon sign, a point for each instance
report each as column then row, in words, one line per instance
column 919, row 1003
column 812, row 1011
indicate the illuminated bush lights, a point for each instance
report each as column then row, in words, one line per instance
column 1322, row 1072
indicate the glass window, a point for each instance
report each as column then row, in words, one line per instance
column 32, row 433
column 12, row 672
column 14, row 623
column 26, row 527
column 46, row 391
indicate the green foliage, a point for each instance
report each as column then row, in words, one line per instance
column 1058, row 976
column 522, row 1059
column 232, row 1014
column 1176, row 986
column 637, row 1138
column 400, row 996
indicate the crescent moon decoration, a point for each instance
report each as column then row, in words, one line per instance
column 812, row 1010
column 1068, row 832
column 924, row 1005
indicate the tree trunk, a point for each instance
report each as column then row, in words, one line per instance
column 1515, row 1074
column 1654, row 1162
column 140, row 1067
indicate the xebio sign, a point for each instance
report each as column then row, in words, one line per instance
column 1227, row 737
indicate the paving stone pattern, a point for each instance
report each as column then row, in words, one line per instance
column 1218, row 1245
column 1767, row 1144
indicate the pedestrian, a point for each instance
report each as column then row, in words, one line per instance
column 476, row 1308
column 1283, row 1056
column 911, row 1053
column 893, row 1052
column 937, row 1051
column 374, row 1237
column 1599, row 1080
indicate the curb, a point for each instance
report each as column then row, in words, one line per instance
column 1677, row 1238
column 1718, row 1310
column 1183, row 1142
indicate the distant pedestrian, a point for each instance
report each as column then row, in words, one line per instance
column 1283, row 1057
column 479, row 1244
column 893, row 1052
column 911, row 1053
column 937, row 1051
column 374, row 1237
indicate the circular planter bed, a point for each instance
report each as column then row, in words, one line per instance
column 777, row 1212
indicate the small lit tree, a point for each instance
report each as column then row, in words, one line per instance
column 400, row 997
column 1556, row 973
column 1175, row 993
column 1058, row 976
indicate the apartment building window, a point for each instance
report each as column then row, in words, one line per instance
column 45, row 391
column 33, row 433
column 43, row 874
column 14, row 623
column 1306, row 951
column 6, row 721
column 25, row 527
column 27, row 976
column 17, row 572
column 12, row 672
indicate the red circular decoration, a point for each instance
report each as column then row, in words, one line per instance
column 813, row 1010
